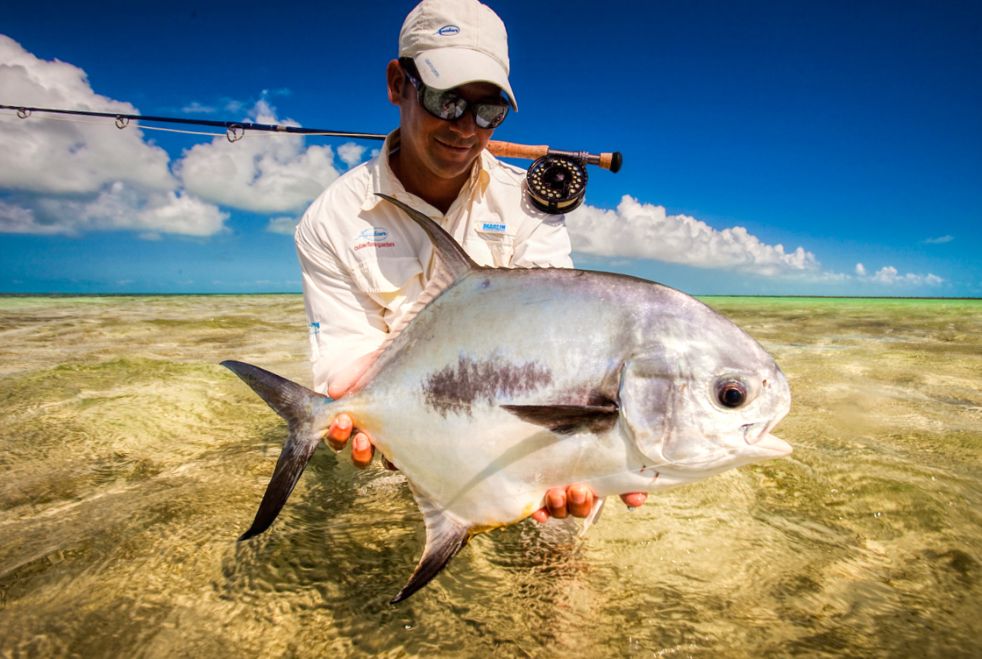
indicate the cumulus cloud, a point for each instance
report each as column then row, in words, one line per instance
column 55, row 156
column 889, row 275
column 117, row 207
column 635, row 230
column 68, row 177
column 264, row 173
column 282, row 225
column 646, row 231
column 351, row 153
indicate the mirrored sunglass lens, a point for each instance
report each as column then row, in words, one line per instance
column 489, row 115
column 443, row 104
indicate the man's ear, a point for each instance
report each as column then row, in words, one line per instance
column 396, row 79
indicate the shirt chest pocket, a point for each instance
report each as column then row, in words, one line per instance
column 381, row 277
column 491, row 248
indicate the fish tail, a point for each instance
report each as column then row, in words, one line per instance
column 298, row 405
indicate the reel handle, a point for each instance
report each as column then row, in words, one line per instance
column 611, row 161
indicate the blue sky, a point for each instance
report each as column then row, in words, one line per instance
column 769, row 148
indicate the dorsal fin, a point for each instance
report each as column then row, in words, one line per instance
column 451, row 263
column 449, row 255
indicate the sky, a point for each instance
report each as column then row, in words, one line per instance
column 770, row 148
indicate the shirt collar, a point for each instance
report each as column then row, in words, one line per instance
column 384, row 180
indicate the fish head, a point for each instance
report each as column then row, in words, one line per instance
column 704, row 399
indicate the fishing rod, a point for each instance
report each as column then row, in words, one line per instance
column 556, row 180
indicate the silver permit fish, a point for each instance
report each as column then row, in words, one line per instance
column 504, row 383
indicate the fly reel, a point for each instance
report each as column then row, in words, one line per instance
column 556, row 184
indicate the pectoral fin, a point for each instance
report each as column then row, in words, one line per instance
column 445, row 536
column 568, row 419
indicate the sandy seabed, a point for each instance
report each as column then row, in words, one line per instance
column 131, row 461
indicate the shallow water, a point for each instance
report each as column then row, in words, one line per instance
column 130, row 462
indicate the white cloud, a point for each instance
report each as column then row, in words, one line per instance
column 940, row 240
column 66, row 177
column 351, row 153
column 194, row 107
column 262, row 172
column 891, row 276
column 123, row 207
column 646, row 231
column 283, row 225
column 49, row 155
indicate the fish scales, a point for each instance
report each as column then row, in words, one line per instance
column 507, row 383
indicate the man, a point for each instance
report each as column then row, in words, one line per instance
column 364, row 263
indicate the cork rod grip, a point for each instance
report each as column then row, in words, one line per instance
column 513, row 150
column 611, row 161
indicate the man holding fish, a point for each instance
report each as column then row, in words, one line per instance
column 365, row 266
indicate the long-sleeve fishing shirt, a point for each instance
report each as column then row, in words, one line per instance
column 364, row 262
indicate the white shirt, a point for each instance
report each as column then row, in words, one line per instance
column 364, row 262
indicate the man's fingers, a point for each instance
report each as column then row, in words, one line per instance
column 362, row 450
column 541, row 515
column 634, row 499
column 579, row 500
column 339, row 432
column 556, row 502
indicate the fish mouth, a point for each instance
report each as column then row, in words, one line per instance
column 773, row 445
column 764, row 441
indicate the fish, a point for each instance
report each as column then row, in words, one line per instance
column 500, row 384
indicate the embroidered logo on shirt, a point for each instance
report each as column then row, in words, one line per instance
column 491, row 227
column 373, row 233
column 373, row 237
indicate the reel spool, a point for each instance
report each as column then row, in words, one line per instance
column 556, row 184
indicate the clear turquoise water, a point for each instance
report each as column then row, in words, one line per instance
column 131, row 462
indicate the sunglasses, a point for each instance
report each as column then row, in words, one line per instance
column 449, row 105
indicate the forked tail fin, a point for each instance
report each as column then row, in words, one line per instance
column 297, row 404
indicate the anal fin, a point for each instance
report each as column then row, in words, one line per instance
column 445, row 536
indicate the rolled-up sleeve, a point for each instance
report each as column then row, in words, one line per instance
column 345, row 322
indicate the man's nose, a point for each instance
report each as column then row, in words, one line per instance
column 465, row 124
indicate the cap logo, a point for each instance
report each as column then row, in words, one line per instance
column 448, row 30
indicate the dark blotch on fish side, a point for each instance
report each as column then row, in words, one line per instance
column 456, row 388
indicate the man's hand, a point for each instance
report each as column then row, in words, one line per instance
column 577, row 500
column 342, row 426
column 361, row 446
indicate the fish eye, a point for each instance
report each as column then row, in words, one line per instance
column 731, row 393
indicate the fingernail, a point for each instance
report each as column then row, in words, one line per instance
column 343, row 423
column 577, row 495
column 556, row 500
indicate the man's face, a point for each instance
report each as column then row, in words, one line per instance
column 442, row 149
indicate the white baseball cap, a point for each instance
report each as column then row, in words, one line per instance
column 456, row 42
